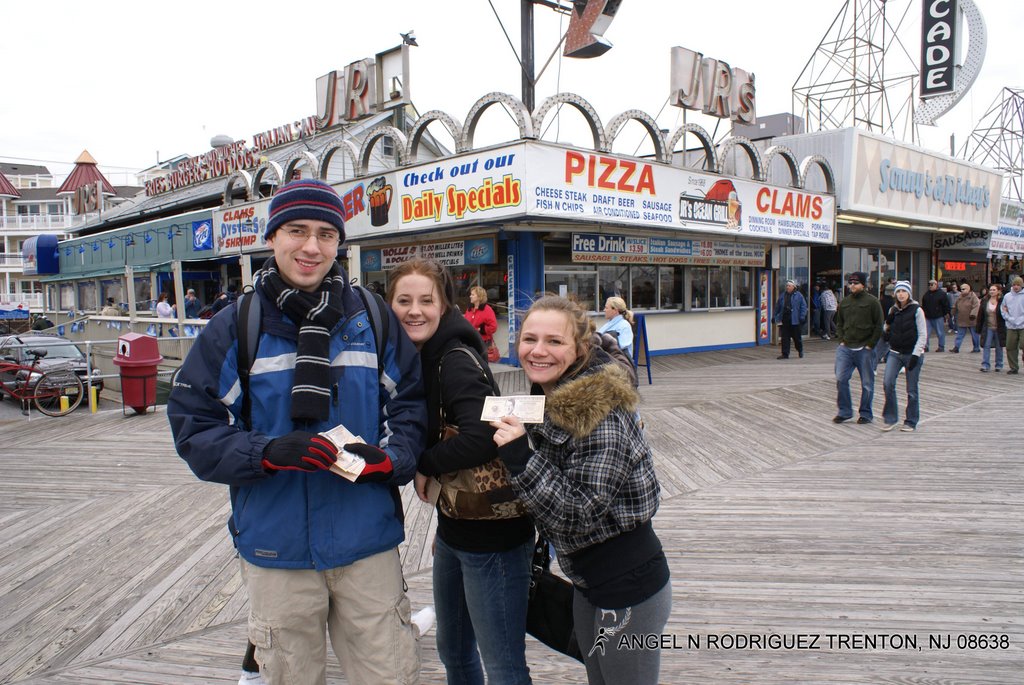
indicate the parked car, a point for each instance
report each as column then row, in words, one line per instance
column 59, row 351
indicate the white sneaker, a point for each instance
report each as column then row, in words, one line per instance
column 250, row 678
column 889, row 427
column 907, row 428
column 424, row 619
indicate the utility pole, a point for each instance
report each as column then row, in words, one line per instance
column 526, row 39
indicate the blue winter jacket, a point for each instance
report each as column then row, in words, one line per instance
column 798, row 305
column 294, row 519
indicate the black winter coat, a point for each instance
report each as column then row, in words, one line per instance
column 982, row 323
column 935, row 304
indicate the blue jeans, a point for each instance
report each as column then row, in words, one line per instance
column 846, row 361
column 991, row 340
column 480, row 599
column 962, row 331
column 939, row 326
column 891, row 410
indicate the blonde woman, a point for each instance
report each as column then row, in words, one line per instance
column 587, row 476
column 619, row 324
column 480, row 315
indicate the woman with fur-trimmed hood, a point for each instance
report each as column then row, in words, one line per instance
column 587, row 476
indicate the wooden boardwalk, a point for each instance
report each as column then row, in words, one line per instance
column 115, row 563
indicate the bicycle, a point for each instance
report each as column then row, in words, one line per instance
column 43, row 389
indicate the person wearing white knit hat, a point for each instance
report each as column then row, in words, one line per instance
column 907, row 333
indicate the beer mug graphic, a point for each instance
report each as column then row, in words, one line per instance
column 379, row 193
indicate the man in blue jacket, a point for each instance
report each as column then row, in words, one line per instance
column 317, row 550
column 791, row 315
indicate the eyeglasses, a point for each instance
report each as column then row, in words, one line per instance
column 301, row 235
column 854, row 282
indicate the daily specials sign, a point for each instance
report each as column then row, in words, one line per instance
column 538, row 180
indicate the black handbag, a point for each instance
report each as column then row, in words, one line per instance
column 549, row 613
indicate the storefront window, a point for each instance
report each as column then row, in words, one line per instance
column 143, row 293
column 697, row 285
column 464, row 278
column 905, row 266
column 87, row 295
column 887, row 267
column 495, row 282
column 614, row 282
column 580, row 285
column 742, row 285
column 644, row 287
column 719, row 285
column 375, row 281
column 111, row 288
column 67, row 297
column 670, row 287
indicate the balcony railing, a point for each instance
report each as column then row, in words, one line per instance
column 12, row 259
column 39, row 222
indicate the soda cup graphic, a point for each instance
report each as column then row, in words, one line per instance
column 379, row 194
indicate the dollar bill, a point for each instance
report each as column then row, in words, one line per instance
column 348, row 465
column 526, row 408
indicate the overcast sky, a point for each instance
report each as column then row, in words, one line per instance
column 134, row 82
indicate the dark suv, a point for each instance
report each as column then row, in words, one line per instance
column 59, row 352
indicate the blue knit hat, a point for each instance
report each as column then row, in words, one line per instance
column 306, row 199
column 902, row 285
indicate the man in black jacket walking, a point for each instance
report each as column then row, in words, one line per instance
column 936, row 308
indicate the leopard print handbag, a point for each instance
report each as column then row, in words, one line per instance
column 482, row 492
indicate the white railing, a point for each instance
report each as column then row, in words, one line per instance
column 33, row 300
column 12, row 259
column 39, row 222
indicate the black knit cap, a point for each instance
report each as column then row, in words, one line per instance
column 309, row 200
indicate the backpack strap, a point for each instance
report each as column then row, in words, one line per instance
column 380, row 322
column 249, row 319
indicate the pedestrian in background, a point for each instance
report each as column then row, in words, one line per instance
column 481, row 317
column 791, row 315
column 192, row 304
column 1013, row 313
column 887, row 301
column 110, row 309
column 991, row 326
column 936, row 308
column 619, row 324
column 858, row 328
column 828, row 312
column 952, row 294
column 816, row 309
column 966, row 314
column 907, row 333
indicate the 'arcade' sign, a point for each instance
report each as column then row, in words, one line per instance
column 938, row 46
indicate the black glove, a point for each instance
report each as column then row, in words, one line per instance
column 378, row 467
column 482, row 328
column 299, row 451
column 913, row 362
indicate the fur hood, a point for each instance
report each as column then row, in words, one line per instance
column 578, row 405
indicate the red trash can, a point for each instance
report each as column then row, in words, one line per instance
column 137, row 357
